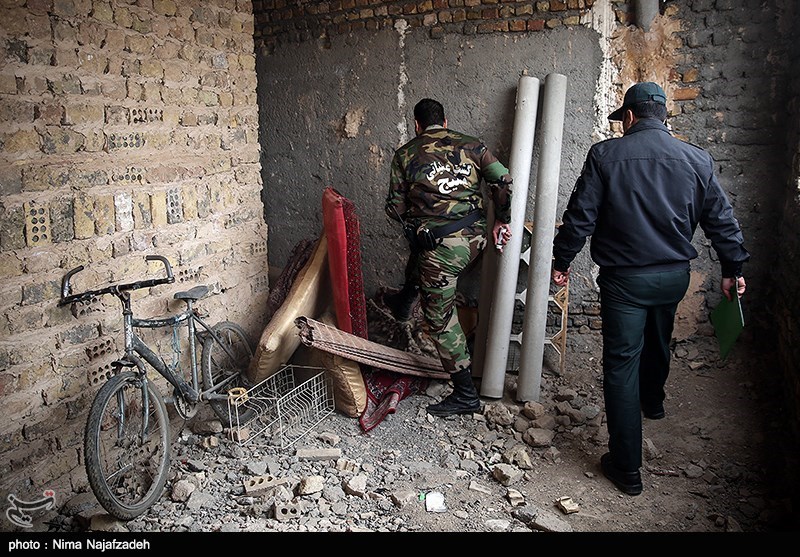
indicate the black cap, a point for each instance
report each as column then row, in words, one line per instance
column 640, row 92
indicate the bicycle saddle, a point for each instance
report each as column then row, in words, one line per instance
column 194, row 294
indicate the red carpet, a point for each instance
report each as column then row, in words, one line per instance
column 384, row 389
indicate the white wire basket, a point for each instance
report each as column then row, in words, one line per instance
column 278, row 411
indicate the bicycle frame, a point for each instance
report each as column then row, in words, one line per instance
column 135, row 346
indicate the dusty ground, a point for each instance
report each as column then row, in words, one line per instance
column 716, row 463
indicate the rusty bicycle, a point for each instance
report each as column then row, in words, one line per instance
column 127, row 434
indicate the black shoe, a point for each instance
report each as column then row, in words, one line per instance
column 463, row 400
column 654, row 412
column 453, row 405
column 629, row 483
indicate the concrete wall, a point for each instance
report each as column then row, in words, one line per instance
column 338, row 80
column 350, row 108
column 127, row 128
column 131, row 127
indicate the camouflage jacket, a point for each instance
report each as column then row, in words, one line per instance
column 436, row 177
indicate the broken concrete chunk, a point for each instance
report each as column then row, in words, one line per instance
column 182, row 490
column 475, row 486
column 259, row 483
column 506, row 474
column 286, row 511
column 515, row 497
column 567, row 505
column 357, row 485
column 537, row 437
column 434, row 502
column 310, row 484
column 549, row 522
column 318, row 454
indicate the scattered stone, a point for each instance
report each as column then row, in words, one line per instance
column 199, row 499
column 497, row 524
column 475, row 486
column 310, row 484
column 549, row 522
column 538, row 437
column 693, row 471
column 533, row 410
column 567, row 505
column 206, row 427
column 515, row 497
column 506, row 474
column 318, row 454
column 106, row 523
column 357, row 485
column 499, row 413
column 181, row 490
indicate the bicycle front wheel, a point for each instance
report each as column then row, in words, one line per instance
column 225, row 365
column 127, row 450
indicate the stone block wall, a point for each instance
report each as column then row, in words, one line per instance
column 127, row 128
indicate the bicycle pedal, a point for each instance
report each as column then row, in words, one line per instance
column 237, row 396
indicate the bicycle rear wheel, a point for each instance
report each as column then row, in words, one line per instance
column 219, row 366
column 127, row 459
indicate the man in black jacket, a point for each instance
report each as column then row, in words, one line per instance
column 641, row 197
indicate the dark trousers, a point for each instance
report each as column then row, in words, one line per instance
column 638, row 313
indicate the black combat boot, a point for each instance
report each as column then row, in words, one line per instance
column 464, row 398
column 401, row 302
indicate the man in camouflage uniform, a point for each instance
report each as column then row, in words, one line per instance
column 435, row 183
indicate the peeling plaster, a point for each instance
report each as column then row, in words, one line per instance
column 602, row 21
column 630, row 55
column 352, row 122
column 647, row 56
column 401, row 26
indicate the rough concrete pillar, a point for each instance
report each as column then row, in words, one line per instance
column 500, row 310
column 544, row 223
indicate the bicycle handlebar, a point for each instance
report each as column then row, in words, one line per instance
column 66, row 288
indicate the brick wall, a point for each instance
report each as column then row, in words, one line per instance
column 127, row 128
column 284, row 21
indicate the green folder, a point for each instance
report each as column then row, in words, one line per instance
column 728, row 321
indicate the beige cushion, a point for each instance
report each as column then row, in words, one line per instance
column 309, row 296
column 349, row 390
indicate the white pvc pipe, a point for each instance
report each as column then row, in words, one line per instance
column 544, row 226
column 645, row 11
column 488, row 268
column 501, row 311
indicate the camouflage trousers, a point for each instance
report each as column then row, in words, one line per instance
column 438, row 272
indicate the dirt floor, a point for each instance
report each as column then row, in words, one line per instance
column 718, row 461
